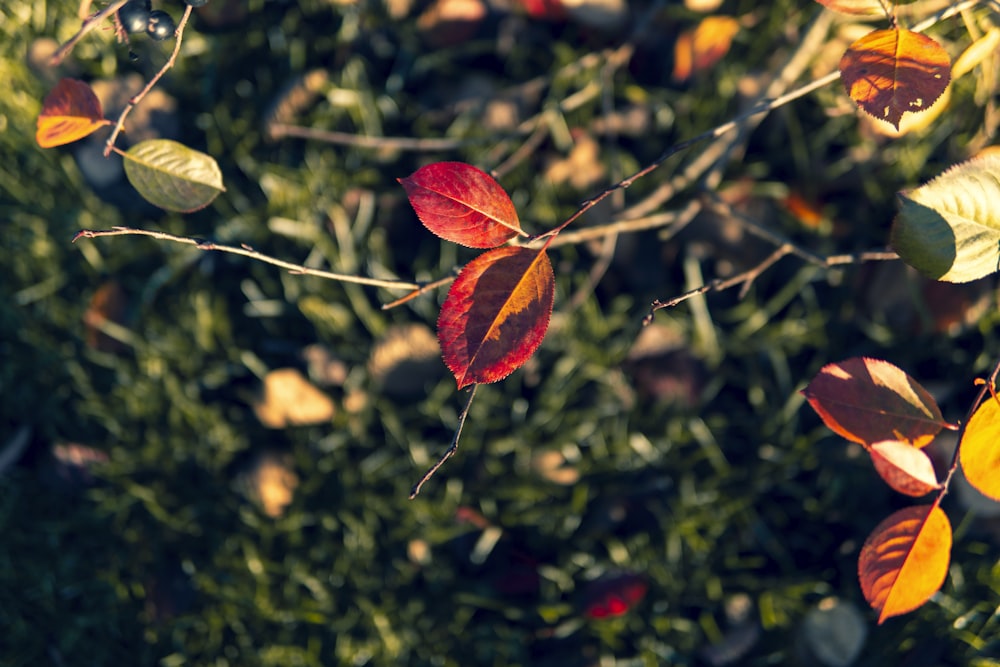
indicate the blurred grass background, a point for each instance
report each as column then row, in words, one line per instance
column 130, row 529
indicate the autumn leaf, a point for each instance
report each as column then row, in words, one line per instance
column 890, row 72
column 858, row 7
column 905, row 559
column 614, row 595
column 496, row 314
column 462, row 204
column 904, row 467
column 71, row 111
column 870, row 400
column 979, row 451
column 700, row 48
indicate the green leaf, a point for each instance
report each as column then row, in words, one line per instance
column 949, row 229
column 172, row 176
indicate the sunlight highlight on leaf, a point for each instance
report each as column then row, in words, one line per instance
column 870, row 400
column 71, row 111
column 979, row 452
column 890, row 72
column 904, row 467
column 949, row 228
column 905, row 560
column 462, row 204
column 496, row 314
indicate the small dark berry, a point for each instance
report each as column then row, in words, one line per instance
column 134, row 16
column 197, row 3
column 161, row 26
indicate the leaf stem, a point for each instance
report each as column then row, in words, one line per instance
column 451, row 449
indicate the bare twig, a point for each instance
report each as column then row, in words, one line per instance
column 451, row 449
column 247, row 251
column 88, row 25
column 178, row 37
column 279, row 130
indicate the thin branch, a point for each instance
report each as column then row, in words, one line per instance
column 451, row 449
column 178, row 37
column 423, row 289
column 247, row 251
column 989, row 387
column 88, row 25
column 279, row 130
column 746, row 278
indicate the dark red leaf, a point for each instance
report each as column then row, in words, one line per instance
column 462, row 204
column 614, row 596
column 496, row 314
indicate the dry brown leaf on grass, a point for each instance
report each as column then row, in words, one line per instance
column 291, row 400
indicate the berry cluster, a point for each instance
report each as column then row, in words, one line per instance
column 138, row 16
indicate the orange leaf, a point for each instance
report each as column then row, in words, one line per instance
column 905, row 559
column 70, row 111
column 980, row 450
column 496, row 314
column 869, row 400
column 699, row 49
column 862, row 7
column 890, row 72
column 904, row 467
column 462, row 204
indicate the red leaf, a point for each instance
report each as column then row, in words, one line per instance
column 614, row 596
column 905, row 560
column 904, row 467
column 869, row 400
column 70, row 111
column 462, row 204
column 890, row 72
column 496, row 314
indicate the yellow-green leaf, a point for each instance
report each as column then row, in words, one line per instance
column 172, row 176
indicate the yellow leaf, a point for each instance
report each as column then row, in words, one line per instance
column 979, row 451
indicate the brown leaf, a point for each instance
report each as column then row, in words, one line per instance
column 890, row 72
column 870, row 400
column 291, row 400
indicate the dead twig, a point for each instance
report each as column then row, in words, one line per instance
column 247, row 251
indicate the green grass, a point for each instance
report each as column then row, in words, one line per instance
column 160, row 558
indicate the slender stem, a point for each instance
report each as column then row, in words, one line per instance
column 279, row 130
column 989, row 387
column 451, row 450
column 88, row 25
column 247, row 251
column 178, row 38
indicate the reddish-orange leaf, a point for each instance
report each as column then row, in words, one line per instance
column 904, row 467
column 496, row 314
column 905, row 559
column 70, row 111
column 701, row 48
column 870, row 400
column 462, row 204
column 980, row 450
column 890, row 72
